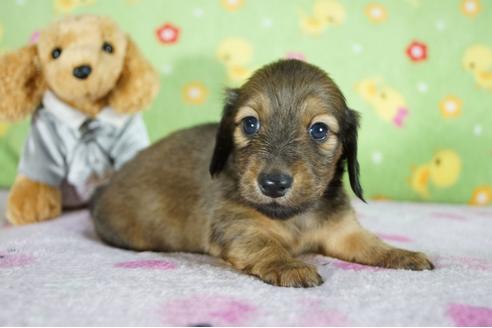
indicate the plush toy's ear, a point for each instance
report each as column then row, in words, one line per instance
column 223, row 142
column 138, row 84
column 349, row 144
column 21, row 83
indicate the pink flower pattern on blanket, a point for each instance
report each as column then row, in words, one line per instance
column 463, row 261
column 448, row 216
column 355, row 266
column 146, row 264
column 12, row 259
column 394, row 237
column 206, row 311
column 470, row 316
column 316, row 315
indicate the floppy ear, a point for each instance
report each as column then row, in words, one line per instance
column 137, row 85
column 349, row 143
column 21, row 83
column 223, row 141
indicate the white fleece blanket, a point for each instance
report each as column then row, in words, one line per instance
column 59, row 273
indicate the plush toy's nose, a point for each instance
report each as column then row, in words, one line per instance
column 82, row 72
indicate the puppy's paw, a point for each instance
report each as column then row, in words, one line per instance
column 403, row 259
column 291, row 273
column 30, row 201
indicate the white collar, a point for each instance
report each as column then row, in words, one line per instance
column 74, row 118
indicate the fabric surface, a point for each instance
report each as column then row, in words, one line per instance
column 420, row 72
column 60, row 273
column 66, row 148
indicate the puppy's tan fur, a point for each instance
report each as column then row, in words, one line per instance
column 166, row 200
column 124, row 80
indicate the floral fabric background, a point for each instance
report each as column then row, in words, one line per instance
column 420, row 73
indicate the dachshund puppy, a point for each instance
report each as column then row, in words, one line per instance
column 268, row 189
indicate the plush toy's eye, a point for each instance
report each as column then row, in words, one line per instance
column 107, row 47
column 250, row 125
column 56, row 53
column 318, row 131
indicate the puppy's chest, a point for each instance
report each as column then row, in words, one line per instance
column 305, row 234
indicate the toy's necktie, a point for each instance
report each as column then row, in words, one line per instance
column 90, row 164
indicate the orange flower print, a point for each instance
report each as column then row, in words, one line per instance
column 195, row 93
column 232, row 5
column 376, row 13
column 450, row 106
column 470, row 7
column 481, row 196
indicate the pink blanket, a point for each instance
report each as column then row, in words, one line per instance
column 60, row 273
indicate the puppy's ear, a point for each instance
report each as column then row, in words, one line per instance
column 223, row 141
column 349, row 143
column 138, row 83
column 21, row 83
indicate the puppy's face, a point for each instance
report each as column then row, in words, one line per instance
column 82, row 57
column 282, row 137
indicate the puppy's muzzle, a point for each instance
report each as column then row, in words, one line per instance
column 274, row 184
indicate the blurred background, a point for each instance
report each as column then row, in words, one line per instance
column 419, row 72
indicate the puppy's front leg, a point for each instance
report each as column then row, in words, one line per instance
column 347, row 240
column 254, row 247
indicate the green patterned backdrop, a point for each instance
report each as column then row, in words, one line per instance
column 420, row 72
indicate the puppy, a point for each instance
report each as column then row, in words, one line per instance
column 268, row 189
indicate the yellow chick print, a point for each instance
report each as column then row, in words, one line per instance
column 325, row 13
column 65, row 6
column 478, row 60
column 236, row 54
column 388, row 103
column 419, row 180
column 3, row 128
column 442, row 171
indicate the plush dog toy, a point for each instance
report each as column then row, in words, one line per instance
column 85, row 83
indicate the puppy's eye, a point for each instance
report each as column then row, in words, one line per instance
column 318, row 131
column 55, row 53
column 107, row 47
column 251, row 125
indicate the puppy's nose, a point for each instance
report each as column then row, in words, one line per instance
column 274, row 184
column 82, row 72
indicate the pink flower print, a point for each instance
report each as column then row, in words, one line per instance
column 295, row 55
column 470, row 316
column 417, row 51
column 34, row 37
column 168, row 33
column 206, row 311
column 316, row 315
column 466, row 262
column 448, row 215
column 355, row 266
column 394, row 237
column 146, row 264
column 12, row 259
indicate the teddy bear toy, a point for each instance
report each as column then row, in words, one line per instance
column 85, row 83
